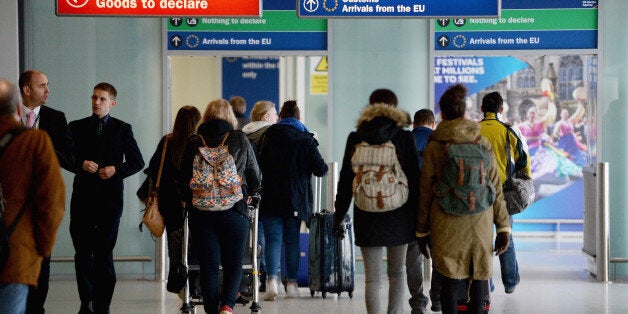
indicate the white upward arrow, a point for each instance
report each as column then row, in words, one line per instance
column 310, row 3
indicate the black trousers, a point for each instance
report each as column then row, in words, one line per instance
column 37, row 296
column 470, row 294
column 93, row 261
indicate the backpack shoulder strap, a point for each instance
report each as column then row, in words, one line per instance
column 8, row 137
column 224, row 139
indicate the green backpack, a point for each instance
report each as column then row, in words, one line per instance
column 463, row 188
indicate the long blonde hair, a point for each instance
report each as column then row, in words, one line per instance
column 220, row 109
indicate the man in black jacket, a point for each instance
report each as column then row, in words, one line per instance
column 106, row 153
column 35, row 90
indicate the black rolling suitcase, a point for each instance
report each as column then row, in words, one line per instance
column 331, row 266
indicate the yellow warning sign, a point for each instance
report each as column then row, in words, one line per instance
column 318, row 84
column 322, row 65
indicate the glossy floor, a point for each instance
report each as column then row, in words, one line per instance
column 553, row 280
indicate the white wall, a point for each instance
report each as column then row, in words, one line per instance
column 9, row 47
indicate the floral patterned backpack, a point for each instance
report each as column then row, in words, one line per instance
column 215, row 182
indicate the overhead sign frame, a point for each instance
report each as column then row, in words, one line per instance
column 425, row 9
column 159, row 8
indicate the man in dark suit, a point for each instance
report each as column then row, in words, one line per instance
column 34, row 89
column 106, row 153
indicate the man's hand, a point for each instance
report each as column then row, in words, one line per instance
column 425, row 245
column 501, row 242
column 107, row 172
column 90, row 166
column 338, row 228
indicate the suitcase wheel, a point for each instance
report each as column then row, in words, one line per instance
column 350, row 294
column 324, row 294
column 312, row 293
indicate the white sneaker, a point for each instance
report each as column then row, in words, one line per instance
column 271, row 290
column 292, row 290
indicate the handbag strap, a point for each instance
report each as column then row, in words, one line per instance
column 5, row 140
column 161, row 163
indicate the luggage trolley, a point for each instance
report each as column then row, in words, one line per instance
column 249, row 287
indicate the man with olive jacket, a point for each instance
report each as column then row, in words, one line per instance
column 461, row 246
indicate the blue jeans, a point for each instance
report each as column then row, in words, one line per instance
column 13, row 298
column 276, row 230
column 509, row 266
column 219, row 239
column 261, row 242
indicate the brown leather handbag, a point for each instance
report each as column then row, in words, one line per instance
column 152, row 217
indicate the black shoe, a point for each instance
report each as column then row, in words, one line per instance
column 435, row 308
column 100, row 309
column 86, row 308
column 262, row 279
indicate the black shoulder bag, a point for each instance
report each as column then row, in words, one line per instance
column 518, row 188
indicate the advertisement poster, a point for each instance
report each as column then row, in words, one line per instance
column 552, row 100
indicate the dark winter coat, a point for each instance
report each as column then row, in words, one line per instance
column 376, row 125
column 289, row 158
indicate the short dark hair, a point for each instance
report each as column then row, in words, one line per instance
column 290, row 110
column 383, row 96
column 492, row 102
column 238, row 104
column 26, row 77
column 423, row 117
column 107, row 88
column 453, row 102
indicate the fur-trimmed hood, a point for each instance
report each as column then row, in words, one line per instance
column 400, row 117
column 379, row 123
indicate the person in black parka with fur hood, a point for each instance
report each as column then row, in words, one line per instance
column 379, row 122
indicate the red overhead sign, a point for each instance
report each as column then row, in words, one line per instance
column 160, row 8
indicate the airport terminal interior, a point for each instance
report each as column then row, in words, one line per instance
column 572, row 54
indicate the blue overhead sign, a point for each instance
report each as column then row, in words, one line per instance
column 247, row 41
column 516, row 40
column 523, row 25
column 397, row 8
column 278, row 28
